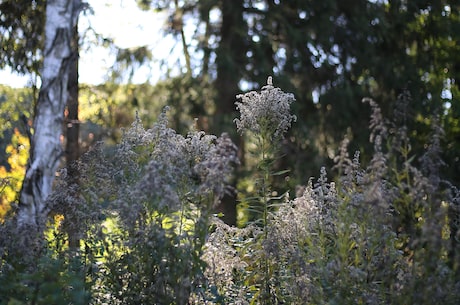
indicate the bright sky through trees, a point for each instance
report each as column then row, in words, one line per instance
column 128, row 26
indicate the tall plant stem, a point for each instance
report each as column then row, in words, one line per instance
column 265, row 188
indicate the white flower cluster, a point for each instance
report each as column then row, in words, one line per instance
column 266, row 113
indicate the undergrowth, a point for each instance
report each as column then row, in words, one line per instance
column 137, row 226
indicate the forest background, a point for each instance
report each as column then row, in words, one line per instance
column 329, row 54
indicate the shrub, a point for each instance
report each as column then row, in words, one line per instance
column 380, row 234
column 136, row 226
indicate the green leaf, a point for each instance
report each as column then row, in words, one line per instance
column 282, row 172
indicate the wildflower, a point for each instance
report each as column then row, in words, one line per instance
column 216, row 166
column 173, row 169
column 266, row 113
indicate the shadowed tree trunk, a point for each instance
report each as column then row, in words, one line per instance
column 230, row 62
column 46, row 148
column 72, row 148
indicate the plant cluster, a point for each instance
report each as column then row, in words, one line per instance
column 137, row 225
column 136, row 218
column 385, row 233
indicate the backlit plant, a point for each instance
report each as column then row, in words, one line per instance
column 386, row 232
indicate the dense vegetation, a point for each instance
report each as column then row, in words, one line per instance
column 332, row 207
column 137, row 227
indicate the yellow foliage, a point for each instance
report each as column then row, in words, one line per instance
column 11, row 180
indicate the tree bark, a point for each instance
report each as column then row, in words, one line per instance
column 46, row 147
column 72, row 147
column 230, row 62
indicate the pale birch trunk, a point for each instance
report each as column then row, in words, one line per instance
column 46, row 147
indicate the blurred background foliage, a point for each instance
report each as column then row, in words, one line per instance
column 329, row 53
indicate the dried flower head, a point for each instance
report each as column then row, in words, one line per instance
column 163, row 168
column 267, row 112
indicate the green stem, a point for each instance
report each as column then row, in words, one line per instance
column 265, row 200
column 265, row 178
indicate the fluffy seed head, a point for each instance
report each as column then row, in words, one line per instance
column 266, row 112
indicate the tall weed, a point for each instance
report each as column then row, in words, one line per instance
column 137, row 226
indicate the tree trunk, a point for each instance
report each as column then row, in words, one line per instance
column 72, row 147
column 230, row 62
column 179, row 14
column 46, row 148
